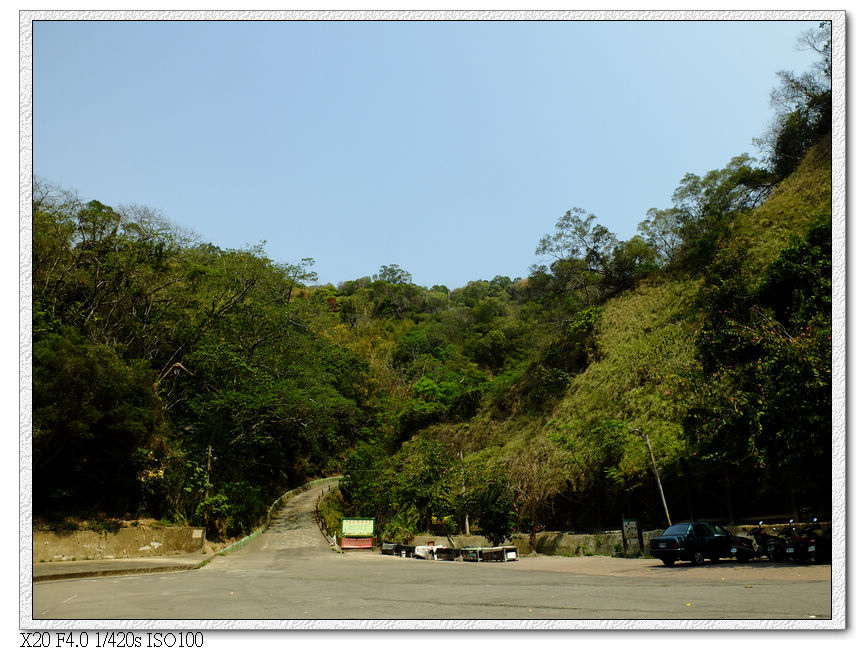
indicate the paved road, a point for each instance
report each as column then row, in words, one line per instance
column 291, row 572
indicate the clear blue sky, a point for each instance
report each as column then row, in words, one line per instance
column 448, row 148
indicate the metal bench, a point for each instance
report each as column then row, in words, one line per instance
column 490, row 554
column 447, row 554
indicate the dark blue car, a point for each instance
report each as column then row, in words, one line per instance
column 698, row 541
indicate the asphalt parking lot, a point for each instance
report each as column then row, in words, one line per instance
column 284, row 585
column 290, row 577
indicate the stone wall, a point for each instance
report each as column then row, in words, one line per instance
column 459, row 541
column 50, row 546
column 603, row 543
column 550, row 543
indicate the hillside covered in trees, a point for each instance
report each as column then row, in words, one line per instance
column 178, row 380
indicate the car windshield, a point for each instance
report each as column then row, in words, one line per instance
column 677, row 529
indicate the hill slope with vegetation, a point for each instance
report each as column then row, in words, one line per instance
column 727, row 371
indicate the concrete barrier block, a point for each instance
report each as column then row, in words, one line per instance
column 51, row 546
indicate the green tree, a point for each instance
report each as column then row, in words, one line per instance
column 803, row 106
column 483, row 495
column 92, row 411
column 533, row 478
column 588, row 259
column 157, row 356
column 581, row 250
column 491, row 349
column 765, row 399
column 393, row 274
column 686, row 235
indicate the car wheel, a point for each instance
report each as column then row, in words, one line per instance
column 668, row 561
column 698, row 558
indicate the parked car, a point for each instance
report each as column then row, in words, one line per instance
column 698, row 541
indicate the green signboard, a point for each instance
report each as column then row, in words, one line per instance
column 358, row 527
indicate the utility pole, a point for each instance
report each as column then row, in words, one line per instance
column 645, row 436
column 468, row 532
column 207, row 475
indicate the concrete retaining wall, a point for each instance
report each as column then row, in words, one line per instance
column 460, row 541
column 550, row 543
column 605, row 543
column 50, row 546
column 555, row 543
